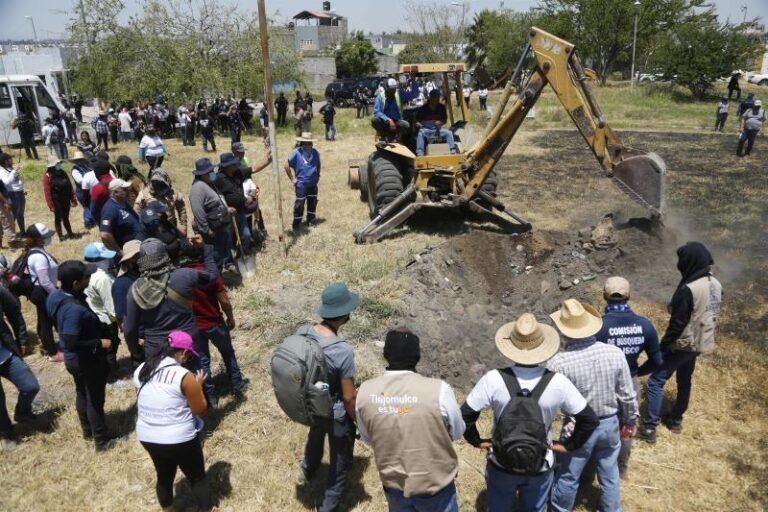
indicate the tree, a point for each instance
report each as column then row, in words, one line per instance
column 603, row 29
column 356, row 57
column 437, row 33
column 701, row 49
column 497, row 38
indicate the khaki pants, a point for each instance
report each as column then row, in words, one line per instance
column 6, row 221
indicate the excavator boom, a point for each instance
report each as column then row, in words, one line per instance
column 637, row 173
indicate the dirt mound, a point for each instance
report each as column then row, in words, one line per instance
column 466, row 288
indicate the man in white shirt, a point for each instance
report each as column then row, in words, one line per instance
column 528, row 344
column 411, row 421
column 126, row 132
column 482, row 95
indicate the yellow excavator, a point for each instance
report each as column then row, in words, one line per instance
column 397, row 183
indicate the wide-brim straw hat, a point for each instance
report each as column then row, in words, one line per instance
column 305, row 137
column 78, row 156
column 577, row 320
column 526, row 341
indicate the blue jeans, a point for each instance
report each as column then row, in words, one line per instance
column 222, row 245
column 421, row 138
column 17, row 371
column 85, row 202
column 442, row 501
column 245, row 231
column 603, row 445
column 330, row 128
column 505, row 489
column 18, row 205
column 222, row 340
column 341, row 444
column 682, row 363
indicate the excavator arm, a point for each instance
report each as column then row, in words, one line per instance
column 637, row 173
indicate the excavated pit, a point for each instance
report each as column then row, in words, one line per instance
column 466, row 288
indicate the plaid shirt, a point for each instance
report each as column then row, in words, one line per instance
column 100, row 125
column 600, row 372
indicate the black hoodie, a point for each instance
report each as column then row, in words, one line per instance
column 694, row 261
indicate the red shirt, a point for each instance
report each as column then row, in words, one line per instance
column 205, row 304
column 100, row 194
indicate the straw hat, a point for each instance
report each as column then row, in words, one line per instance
column 305, row 137
column 78, row 156
column 576, row 320
column 526, row 341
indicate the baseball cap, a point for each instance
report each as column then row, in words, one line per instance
column 73, row 270
column 758, row 103
column 117, row 183
column 238, row 147
column 392, row 83
column 152, row 212
column 183, row 341
column 434, row 93
column 39, row 230
column 616, row 287
column 97, row 251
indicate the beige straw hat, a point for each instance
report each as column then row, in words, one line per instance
column 526, row 341
column 305, row 137
column 576, row 320
column 78, row 156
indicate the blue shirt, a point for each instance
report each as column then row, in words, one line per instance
column 120, row 220
column 387, row 110
column 633, row 334
column 120, row 288
column 307, row 171
column 73, row 320
column 340, row 364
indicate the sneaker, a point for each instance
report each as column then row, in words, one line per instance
column 7, row 443
column 303, row 478
column 240, row 392
column 646, row 434
column 58, row 358
column 110, row 443
column 674, row 426
column 20, row 417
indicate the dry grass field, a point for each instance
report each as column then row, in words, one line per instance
column 718, row 463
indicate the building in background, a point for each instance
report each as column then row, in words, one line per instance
column 315, row 31
column 388, row 44
column 46, row 60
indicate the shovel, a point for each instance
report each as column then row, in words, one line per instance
column 245, row 265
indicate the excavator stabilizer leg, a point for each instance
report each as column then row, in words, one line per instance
column 641, row 177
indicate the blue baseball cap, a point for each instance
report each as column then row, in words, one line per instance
column 97, row 251
column 152, row 212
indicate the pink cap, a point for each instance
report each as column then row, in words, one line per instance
column 183, row 341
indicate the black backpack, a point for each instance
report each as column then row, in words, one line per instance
column 520, row 435
column 23, row 285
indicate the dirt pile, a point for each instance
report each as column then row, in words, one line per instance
column 466, row 288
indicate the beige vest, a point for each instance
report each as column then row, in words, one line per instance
column 699, row 334
column 413, row 450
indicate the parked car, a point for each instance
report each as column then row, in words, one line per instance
column 759, row 79
column 342, row 92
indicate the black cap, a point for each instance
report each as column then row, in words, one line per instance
column 73, row 270
column 401, row 349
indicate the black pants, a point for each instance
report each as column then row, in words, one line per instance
column 102, row 139
column 720, row 121
column 749, row 137
column 483, row 103
column 30, row 147
column 382, row 128
column 186, row 456
column 154, row 162
column 109, row 332
column 44, row 324
column 90, row 374
column 341, row 441
column 738, row 92
column 113, row 134
column 281, row 117
column 61, row 207
column 305, row 194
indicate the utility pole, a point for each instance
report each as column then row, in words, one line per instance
column 636, row 6
column 264, row 36
column 34, row 30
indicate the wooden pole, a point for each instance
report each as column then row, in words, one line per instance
column 272, row 119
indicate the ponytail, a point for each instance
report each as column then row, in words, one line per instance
column 152, row 362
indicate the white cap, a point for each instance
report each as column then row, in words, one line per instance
column 118, row 183
column 392, row 83
column 758, row 103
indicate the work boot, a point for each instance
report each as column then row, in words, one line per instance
column 647, row 434
column 674, row 425
column 109, row 443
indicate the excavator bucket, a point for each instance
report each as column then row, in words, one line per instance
column 641, row 176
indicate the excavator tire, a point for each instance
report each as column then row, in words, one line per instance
column 362, row 173
column 489, row 187
column 389, row 183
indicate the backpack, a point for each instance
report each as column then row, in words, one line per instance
column 54, row 136
column 520, row 435
column 297, row 364
column 23, row 285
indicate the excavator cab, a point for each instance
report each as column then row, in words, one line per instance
column 396, row 182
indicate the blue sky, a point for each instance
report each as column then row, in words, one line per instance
column 51, row 16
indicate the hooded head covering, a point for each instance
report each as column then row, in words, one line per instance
column 693, row 261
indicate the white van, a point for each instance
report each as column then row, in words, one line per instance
column 27, row 94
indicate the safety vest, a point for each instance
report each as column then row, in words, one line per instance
column 383, row 96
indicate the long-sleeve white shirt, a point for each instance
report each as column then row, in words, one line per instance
column 11, row 179
column 99, row 296
column 449, row 410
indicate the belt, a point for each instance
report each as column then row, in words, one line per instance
column 601, row 418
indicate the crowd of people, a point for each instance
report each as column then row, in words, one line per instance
column 584, row 366
column 750, row 119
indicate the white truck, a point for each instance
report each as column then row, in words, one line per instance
column 23, row 94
